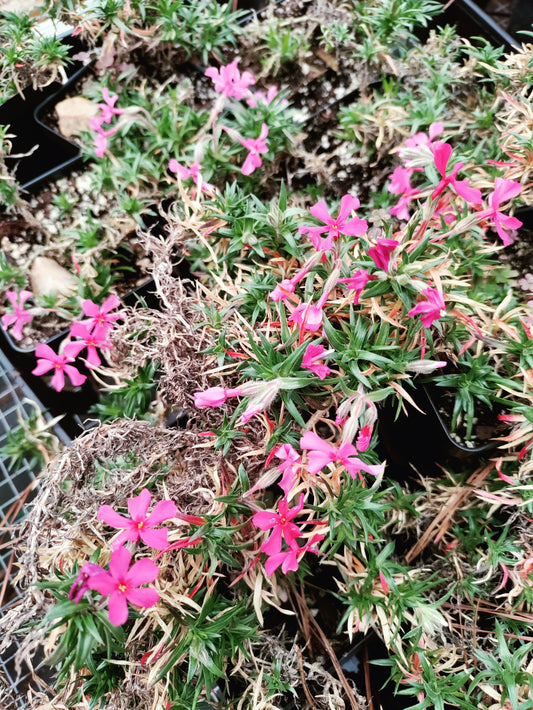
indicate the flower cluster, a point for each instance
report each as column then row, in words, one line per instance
column 90, row 334
column 124, row 582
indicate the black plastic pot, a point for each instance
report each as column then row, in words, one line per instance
column 472, row 21
column 45, row 153
column 421, row 438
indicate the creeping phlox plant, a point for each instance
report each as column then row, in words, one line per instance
column 123, row 583
column 311, row 313
column 207, row 143
column 90, row 334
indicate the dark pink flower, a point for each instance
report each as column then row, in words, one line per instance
column 289, row 560
column 19, row 316
column 312, row 354
column 503, row 190
column 363, row 438
column 381, row 253
column 49, row 360
column 91, row 341
column 81, row 583
column 280, row 524
column 122, row 584
column 321, row 453
column 400, row 185
column 422, row 138
column 260, row 96
column 101, row 316
column 256, row 146
column 214, row 396
column 108, row 107
column 441, row 153
column 140, row 525
column 100, row 141
column 290, row 465
column 334, row 226
column 357, row 282
column 192, row 172
column 229, row 81
column 307, row 316
column 430, row 310
column 282, row 290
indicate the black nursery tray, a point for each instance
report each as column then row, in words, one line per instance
column 475, row 19
column 39, row 153
column 421, row 438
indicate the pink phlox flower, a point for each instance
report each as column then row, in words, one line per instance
column 381, row 253
column 289, row 559
column 280, row 524
column 307, row 316
column 312, row 354
column 229, row 81
column 334, row 226
column 20, row 316
column 212, row 397
column 108, row 107
column 81, row 583
column 357, row 282
column 287, row 286
column 401, row 209
column 422, row 138
column 90, row 340
column 363, row 438
column 49, row 360
column 400, row 180
column 100, row 317
column 141, row 525
column 215, row 396
column 321, row 453
column 400, row 185
column 257, row 96
column 503, row 190
column 192, row 172
column 122, row 584
column 282, row 290
column 289, row 466
column 100, row 141
column 442, row 153
column 96, row 123
column 255, row 146
column 430, row 310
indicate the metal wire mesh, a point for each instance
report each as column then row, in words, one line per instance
column 16, row 483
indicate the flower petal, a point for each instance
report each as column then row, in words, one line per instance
column 119, row 562
column 158, row 539
column 138, row 506
column 118, row 609
column 43, row 366
column 112, row 518
column 321, row 212
column 348, row 204
column 142, row 572
column 164, row 510
column 102, row 582
column 143, row 597
column 265, row 519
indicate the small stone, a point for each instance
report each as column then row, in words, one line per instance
column 48, row 278
column 74, row 115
